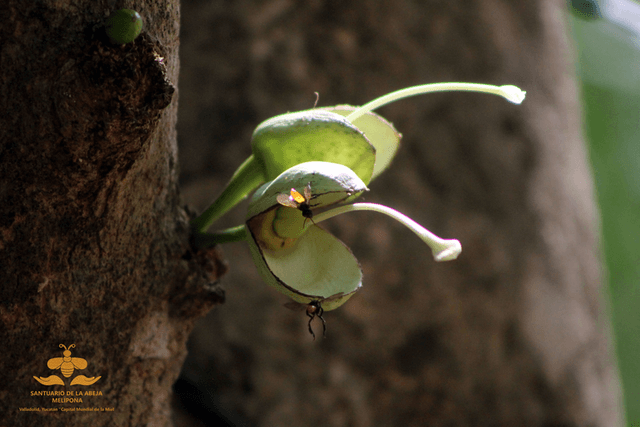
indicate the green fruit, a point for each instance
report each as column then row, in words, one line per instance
column 123, row 26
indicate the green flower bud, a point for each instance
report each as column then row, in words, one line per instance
column 123, row 26
column 313, row 135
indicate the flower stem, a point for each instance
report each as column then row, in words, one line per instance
column 248, row 176
column 443, row 249
column 511, row 93
column 207, row 240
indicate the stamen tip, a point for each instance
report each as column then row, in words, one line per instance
column 449, row 253
column 513, row 93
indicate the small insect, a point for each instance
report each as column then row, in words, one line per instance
column 67, row 363
column 313, row 309
column 298, row 201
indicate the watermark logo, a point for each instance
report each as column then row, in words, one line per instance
column 67, row 366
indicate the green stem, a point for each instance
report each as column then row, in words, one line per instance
column 230, row 235
column 443, row 249
column 246, row 179
column 511, row 93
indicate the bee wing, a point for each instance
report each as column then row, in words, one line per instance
column 333, row 297
column 307, row 192
column 286, row 200
column 296, row 306
column 79, row 362
column 55, row 363
column 297, row 196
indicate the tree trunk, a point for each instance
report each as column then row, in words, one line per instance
column 94, row 247
column 514, row 332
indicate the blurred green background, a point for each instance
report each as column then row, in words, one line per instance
column 607, row 39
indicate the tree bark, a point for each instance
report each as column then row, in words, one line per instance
column 94, row 246
column 514, row 332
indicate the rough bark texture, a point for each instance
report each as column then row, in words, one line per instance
column 512, row 333
column 94, row 247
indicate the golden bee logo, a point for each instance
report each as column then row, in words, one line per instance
column 67, row 363
column 67, row 366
